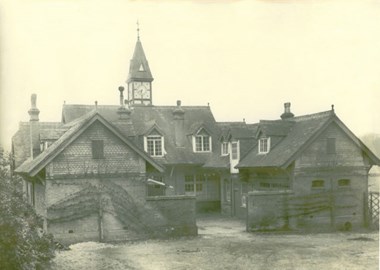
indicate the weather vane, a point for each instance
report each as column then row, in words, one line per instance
column 138, row 30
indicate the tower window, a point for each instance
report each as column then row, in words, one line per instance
column 97, row 149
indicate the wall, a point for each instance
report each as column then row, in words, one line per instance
column 174, row 215
column 266, row 210
column 348, row 162
column 77, row 159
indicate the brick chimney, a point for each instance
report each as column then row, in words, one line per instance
column 34, row 127
column 287, row 113
column 179, row 125
column 124, row 112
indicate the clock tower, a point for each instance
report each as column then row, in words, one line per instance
column 139, row 78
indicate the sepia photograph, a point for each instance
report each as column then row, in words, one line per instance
column 229, row 134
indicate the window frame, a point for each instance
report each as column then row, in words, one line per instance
column 203, row 142
column 154, row 138
column 224, row 146
column 260, row 146
column 235, row 156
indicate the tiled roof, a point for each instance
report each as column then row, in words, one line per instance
column 143, row 118
column 287, row 137
column 32, row 166
column 21, row 139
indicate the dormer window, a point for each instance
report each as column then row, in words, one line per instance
column 202, row 142
column 154, row 144
column 264, row 145
column 224, row 149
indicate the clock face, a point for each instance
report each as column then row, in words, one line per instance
column 142, row 92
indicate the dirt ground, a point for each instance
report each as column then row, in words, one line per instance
column 223, row 244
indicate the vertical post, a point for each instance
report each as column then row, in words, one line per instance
column 332, row 204
column 100, row 219
column 365, row 210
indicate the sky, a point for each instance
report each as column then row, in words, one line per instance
column 244, row 58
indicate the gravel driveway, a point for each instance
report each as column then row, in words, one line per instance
column 223, row 244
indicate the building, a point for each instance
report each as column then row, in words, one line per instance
column 107, row 172
column 308, row 171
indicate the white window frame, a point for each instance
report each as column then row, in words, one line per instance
column 237, row 150
column 202, row 142
column 222, row 145
column 264, row 151
column 154, row 137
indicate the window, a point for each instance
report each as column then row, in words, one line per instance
column 189, row 183
column 264, row 145
column 194, row 183
column 331, row 149
column 202, row 142
column 344, row 182
column 235, row 150
column 224, row 148
column 154, row 144
column 97, row 149
column 318, row 184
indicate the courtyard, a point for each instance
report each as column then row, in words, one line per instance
column 222, row 243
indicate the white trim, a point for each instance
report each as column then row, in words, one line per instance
column 268, row 145
column 221, row 149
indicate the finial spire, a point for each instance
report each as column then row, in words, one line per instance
column 138, row 30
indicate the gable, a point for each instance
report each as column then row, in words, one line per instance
column 333, row 147
column 77, row 158
column 32, row 167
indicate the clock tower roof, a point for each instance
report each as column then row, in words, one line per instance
column 139, row 68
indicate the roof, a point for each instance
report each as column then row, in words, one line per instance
column 21, row 139
column 236, row 130
column 33, row 166
column 139, row 67
column 145, row 118
column 291, row 136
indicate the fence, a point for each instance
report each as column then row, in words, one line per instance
column 373, row 209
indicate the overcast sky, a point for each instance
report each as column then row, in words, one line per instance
column 245, row 58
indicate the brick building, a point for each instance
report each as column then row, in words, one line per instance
column 130, row 170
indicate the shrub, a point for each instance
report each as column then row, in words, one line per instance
column 22, row 243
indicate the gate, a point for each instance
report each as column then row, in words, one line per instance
column 373, row 209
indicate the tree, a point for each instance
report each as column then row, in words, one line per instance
column 22, row 243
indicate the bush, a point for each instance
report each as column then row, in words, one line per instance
column 22, row 243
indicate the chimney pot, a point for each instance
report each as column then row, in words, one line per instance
column 287, row 113
column 34, row 111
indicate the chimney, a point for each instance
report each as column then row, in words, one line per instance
column 287, row 113
column 34, row 128
column 123, row 111
column 179, row 125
